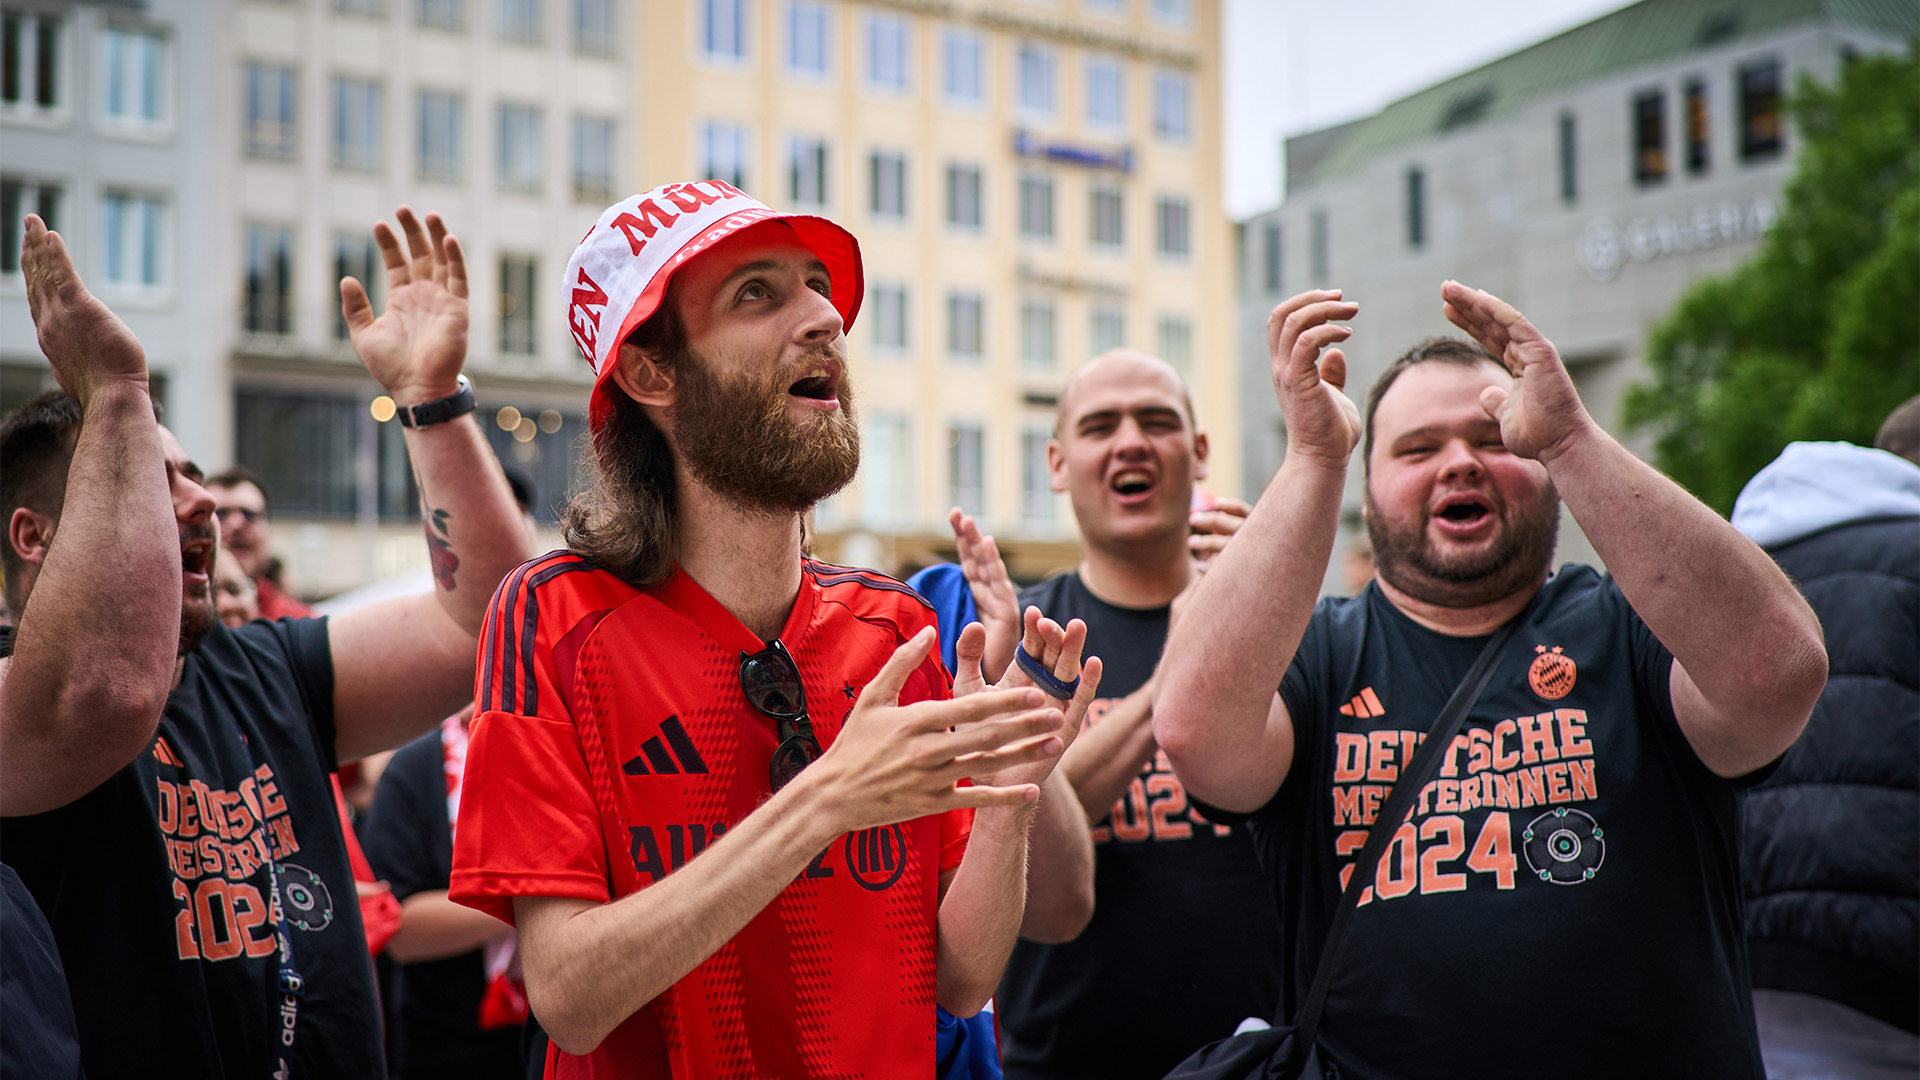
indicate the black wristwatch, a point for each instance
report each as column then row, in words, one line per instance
column 435, row 412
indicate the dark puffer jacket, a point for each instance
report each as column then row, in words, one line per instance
column 1831, row 849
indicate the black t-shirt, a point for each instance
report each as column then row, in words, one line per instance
column 37, row 1034
column 1564, row 900
column 1183, row 944
column 157, row 881
column 407, row 840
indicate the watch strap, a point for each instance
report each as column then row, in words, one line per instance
column 457, row 404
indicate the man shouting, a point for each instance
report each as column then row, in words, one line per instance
column 719, row 787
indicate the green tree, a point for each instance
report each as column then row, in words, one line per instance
column 1818, row 335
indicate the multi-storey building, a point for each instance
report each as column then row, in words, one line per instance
column 1588, row 179
column 1031, row 181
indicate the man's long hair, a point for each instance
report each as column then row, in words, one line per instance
column 622, row 518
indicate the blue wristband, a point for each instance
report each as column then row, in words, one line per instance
column 1043, row 678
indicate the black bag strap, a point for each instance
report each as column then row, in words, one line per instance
column 1399, row 805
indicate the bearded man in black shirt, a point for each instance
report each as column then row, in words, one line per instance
column 1563, row 899
column 163, row 779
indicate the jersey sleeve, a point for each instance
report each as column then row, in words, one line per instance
column 529, row 824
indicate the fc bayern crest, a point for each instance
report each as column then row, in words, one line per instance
column 1552, row 673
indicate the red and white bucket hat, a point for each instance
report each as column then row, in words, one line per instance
column 619, row 273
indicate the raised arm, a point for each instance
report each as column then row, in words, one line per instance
column 402, row 665
column 1749, row 659
column 1216, row 711
column 96, row 648
column 590, row 966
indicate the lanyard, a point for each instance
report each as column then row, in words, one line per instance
column 291, row 985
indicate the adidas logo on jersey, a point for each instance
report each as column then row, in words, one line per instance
column 1364, row 704
column 672, row 757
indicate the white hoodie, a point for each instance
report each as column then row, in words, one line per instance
column 1813, row 486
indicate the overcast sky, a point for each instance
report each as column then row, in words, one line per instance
column 1297, row 65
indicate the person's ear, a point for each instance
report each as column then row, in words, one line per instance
column 1056, row 465
column 30, row 531
column 1200, row 455
column 641, row 376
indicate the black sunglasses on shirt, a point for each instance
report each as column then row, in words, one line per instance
column 771, row 681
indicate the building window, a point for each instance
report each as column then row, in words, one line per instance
column 1319, row 247
column 1173, row 12
column 807, row 171
column 1036, row 206
column 1107, row 217
column 356, row 124
column 888, row 49
column 593, row 27
column 269, row 284
column 887, row 175
column 1173, row 232
column 520, row 147
column 309, row 449
column 1650, row 137
column 965, row 315
column 723, row 153
column 1035, row 69
column 1270, row 251
column 439, row 147
column 961, row 80
column 964, row 193
column 1172, row 106
column 966, row 468
column 886, row 470
column 360, row 7
column 723, row 29
column 133, row 63
column 1037, row 351
column 809, row 39
column 29, row 60
column 517, row 304
column 887, row 306
column 272, row 130
column 593, row 159
column 1036, row 480
column 1109, row 328
column 130, row 226
column 443, row 14
column 1762, row 125
column 18, row 198
column 1569, row 162
column 1106, row 93
column 1699, row 127
column 1175, row 339
column 1416, row 208
column 356, row 256
column 520, row 21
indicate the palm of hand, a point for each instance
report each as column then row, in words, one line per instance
column 421, row 337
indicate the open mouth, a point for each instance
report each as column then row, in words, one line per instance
column 196, row 557
column 1463, row 509
column 1132, row 482
column 817, row 387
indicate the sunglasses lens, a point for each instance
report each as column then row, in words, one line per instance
column 793, row 755
column 772, row 685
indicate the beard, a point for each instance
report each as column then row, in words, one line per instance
column 1519, row 557
column 198, row 612
column 737, row 439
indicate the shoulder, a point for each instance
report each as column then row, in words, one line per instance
column 1048, row 595
column 263, row 648
column 1581, row 592
column 870, row 594
column 558, row 588
column 1886, row 547
column 419, row 755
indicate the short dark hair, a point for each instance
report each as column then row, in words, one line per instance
column 1448, row 350
column 36, row 447
column 234, row 475
column 1900, row 434
column 623, row 517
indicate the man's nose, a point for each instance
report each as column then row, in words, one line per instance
column 1458, row 460
column 820, row 321
column 191, row 502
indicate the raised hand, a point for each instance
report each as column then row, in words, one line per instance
column 1542, row 414
column 993, row 593
column 893, row 762
column 1213, row 528
column 1322, row 422
column 1058, row 649
column 416, row 347
column 84, row 340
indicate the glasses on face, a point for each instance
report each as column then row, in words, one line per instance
column 249, row 516
column 771, row 681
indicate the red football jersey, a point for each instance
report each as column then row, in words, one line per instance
column 612, row 743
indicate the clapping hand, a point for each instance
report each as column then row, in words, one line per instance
column 1322, row 422
column 415, row 349
column 1542, row 414
column 83, row 339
